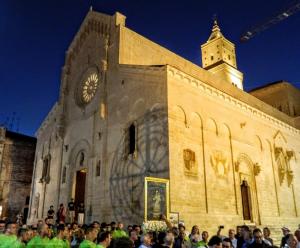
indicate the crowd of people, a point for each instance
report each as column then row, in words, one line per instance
column 113, row 235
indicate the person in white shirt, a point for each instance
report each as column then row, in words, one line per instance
column 146, row 241
column 231, row 236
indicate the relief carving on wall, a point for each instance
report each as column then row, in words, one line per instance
column 256, row 169
column 283, row 158
column 237, row 166
column 36, row 205
column 190, row 167
column 219, row 163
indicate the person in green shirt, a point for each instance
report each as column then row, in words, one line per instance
column 9, row 236
column 59, row 241
column 40, row 240
column 90, row 237
column 119, row 232
column 104, row 239
column 23, row 238
column 204, row 241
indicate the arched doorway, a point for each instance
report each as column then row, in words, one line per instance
column 249, row 206
column 246, row 201
column 80, row 187
column 80, row 180
column 79, row 164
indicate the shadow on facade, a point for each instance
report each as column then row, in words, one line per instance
column 129, row 170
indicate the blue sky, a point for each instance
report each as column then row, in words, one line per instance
column 35, row 35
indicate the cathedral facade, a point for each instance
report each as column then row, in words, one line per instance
column 130, row 109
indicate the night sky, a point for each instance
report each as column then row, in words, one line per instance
column 35, row 34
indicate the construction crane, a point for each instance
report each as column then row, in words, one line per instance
column 282, row 15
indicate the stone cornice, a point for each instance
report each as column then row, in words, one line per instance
column 142, row 68
column 274, row 87
column 226, row 98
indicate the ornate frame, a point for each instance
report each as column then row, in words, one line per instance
column 167, row 196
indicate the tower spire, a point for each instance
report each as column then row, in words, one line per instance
column 216, row 31
column 218, row 57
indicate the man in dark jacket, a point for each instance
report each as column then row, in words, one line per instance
column 258, row 240
column 285, row 231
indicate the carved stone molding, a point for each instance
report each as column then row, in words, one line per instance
column 207, row 89
column 256, row 169
column 290, row 154
column 283, row 158
column 290, row 177
column 278, row 151
column 237, row 166
column 281, row 174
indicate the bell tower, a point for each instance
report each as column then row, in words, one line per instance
column 218, row 57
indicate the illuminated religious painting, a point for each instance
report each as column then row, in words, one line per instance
column 156, row 198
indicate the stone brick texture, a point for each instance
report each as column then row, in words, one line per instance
column 16, row 173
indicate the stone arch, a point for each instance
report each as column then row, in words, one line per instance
column 247, row 172
column 81, row 146
column 279, row 139
column 137, row 109
column 211, row 125
column 257, row 142
column 196, row 127
column 156, row 106
column 196, row 120
column 225, row 130
column 245, row 164
column 75, row 169
column 178, row 113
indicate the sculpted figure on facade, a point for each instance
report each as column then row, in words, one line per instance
column 189, row 159
column 36, row 204
column 219, row 163
column 283, row 163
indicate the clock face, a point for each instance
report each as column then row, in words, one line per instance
column 89, row 87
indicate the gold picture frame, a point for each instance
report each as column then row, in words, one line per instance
column 156, row 198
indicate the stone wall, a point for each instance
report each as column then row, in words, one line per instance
column 281, row 95
column 16, row 172
column 232, row 142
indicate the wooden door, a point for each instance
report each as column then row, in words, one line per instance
column 246, row 201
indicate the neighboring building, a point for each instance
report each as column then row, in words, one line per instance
column 129, row 109
column 281, row 95
column 16, row 166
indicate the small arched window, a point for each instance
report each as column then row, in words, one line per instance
column 98, row 169
column 130, row 140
